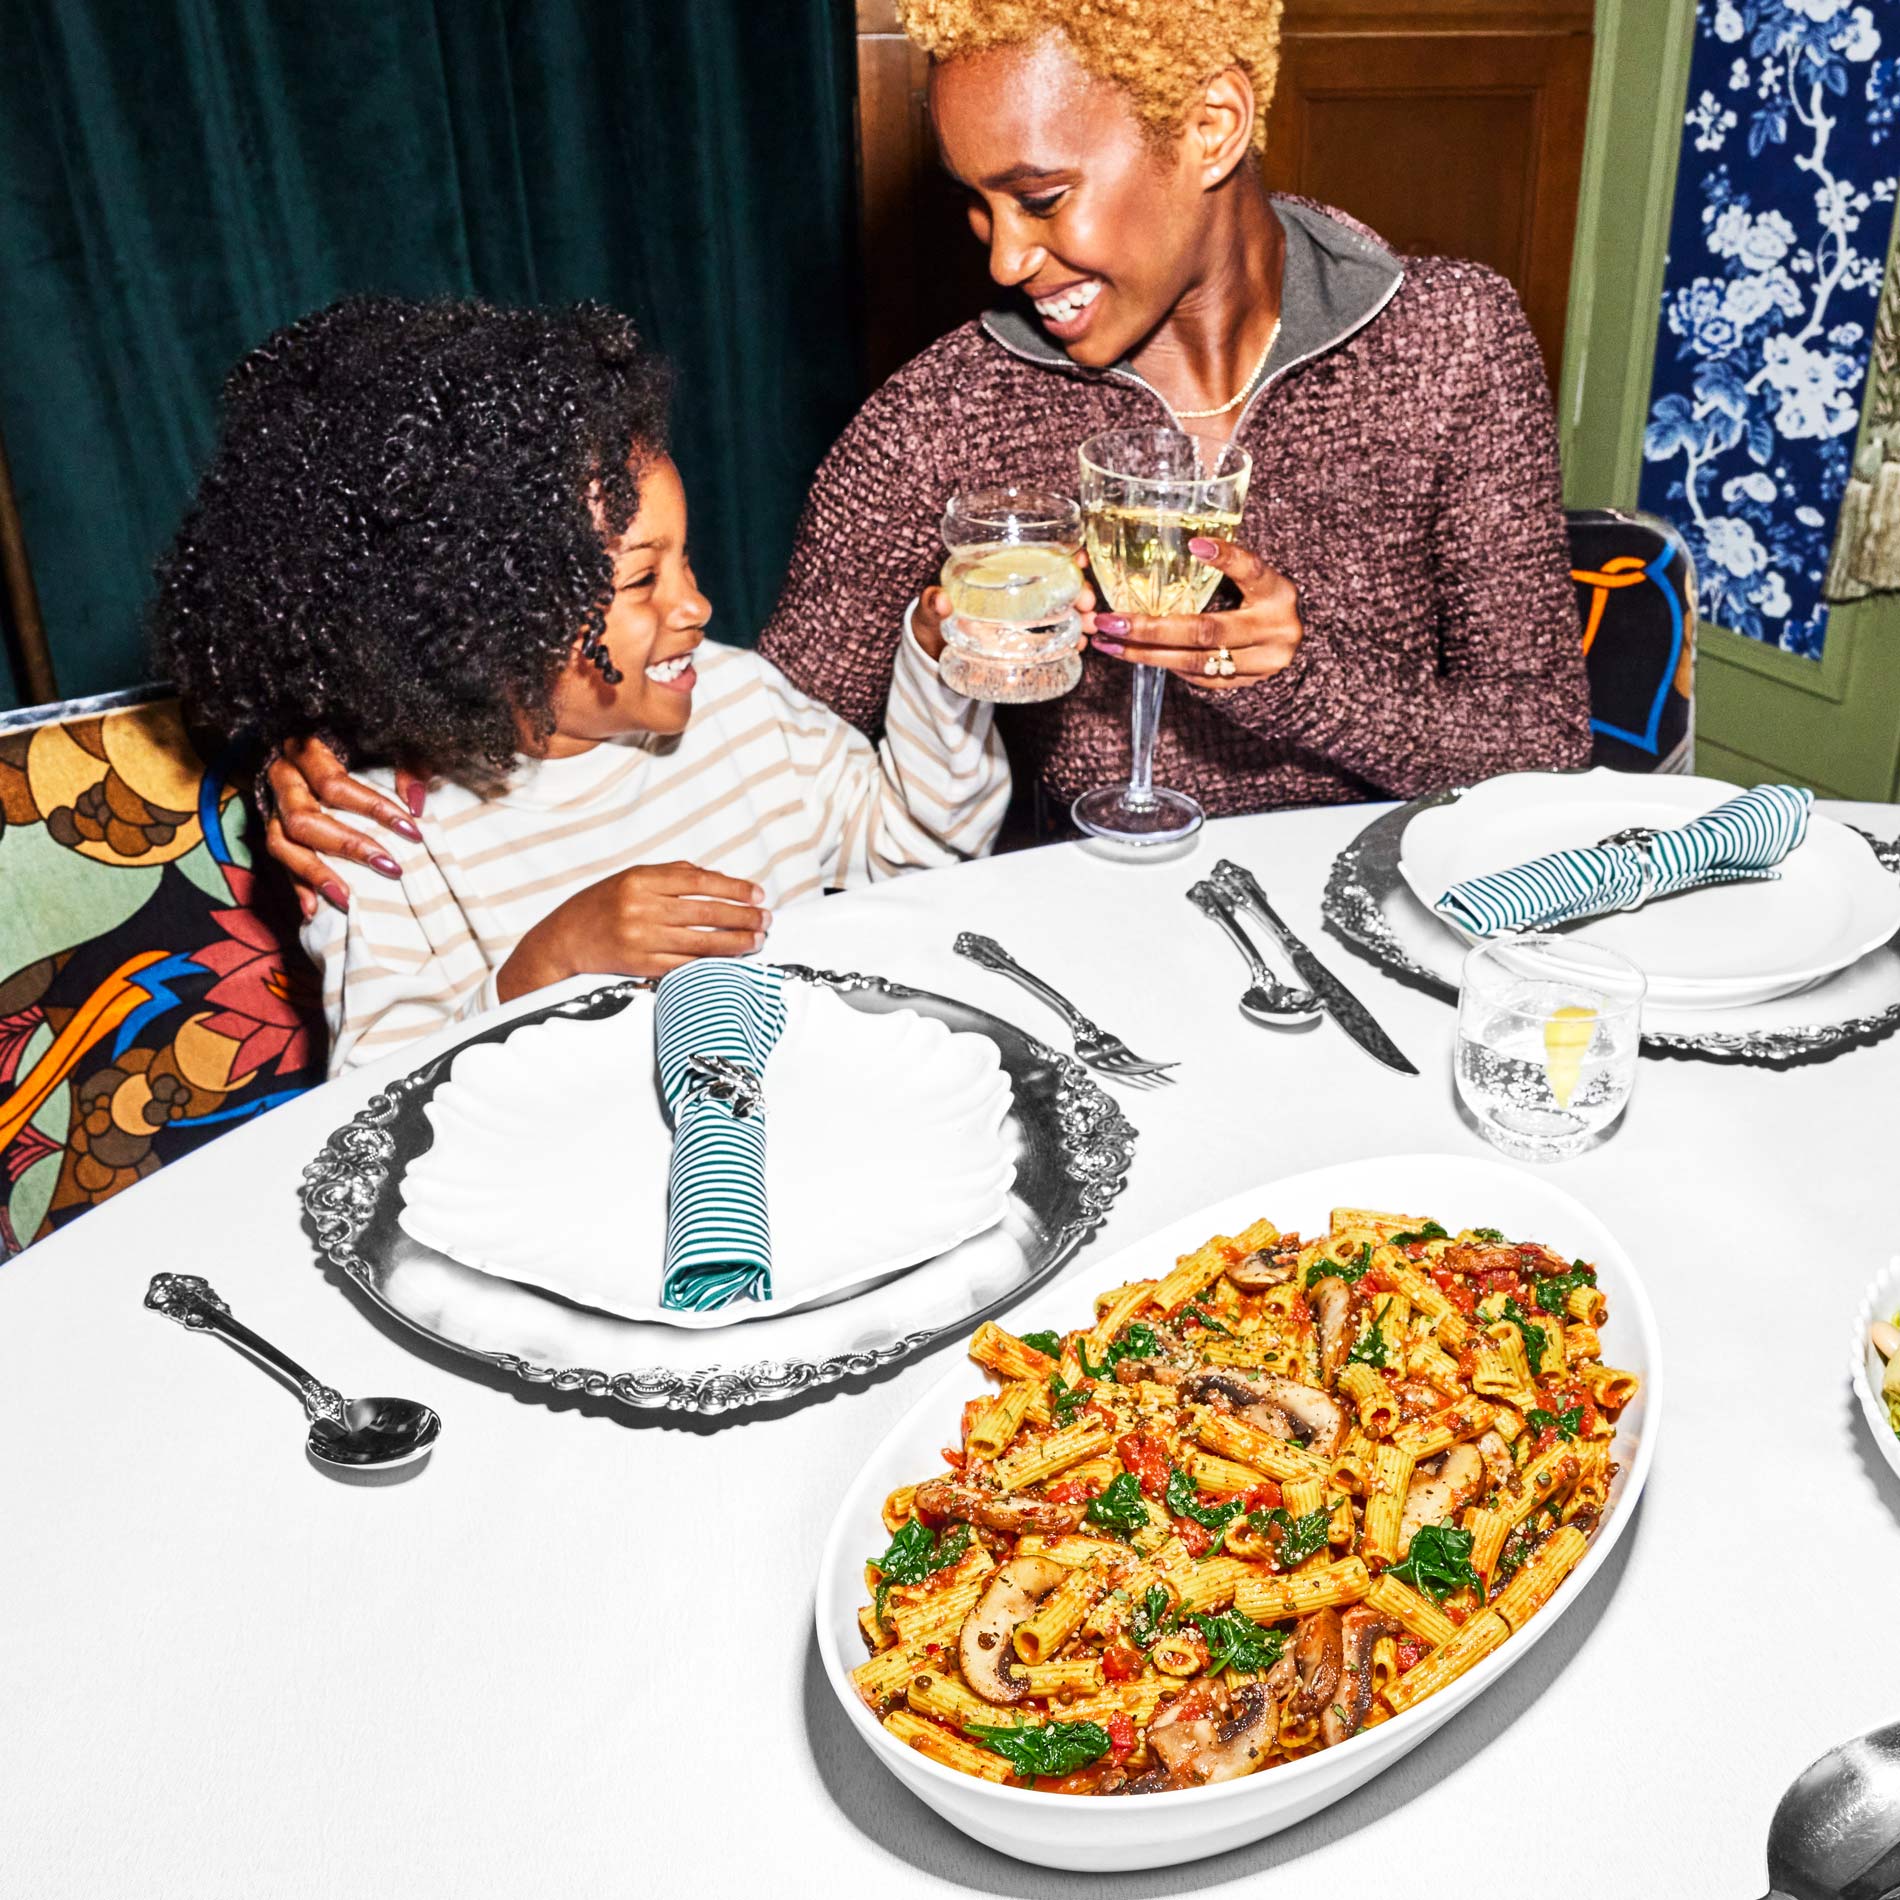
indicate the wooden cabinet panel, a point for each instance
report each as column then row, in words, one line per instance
column 1451, row 126
column 1443, row 138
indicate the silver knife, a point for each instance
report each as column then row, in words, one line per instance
column 1341, row 1004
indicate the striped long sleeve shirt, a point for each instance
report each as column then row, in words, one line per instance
column 764, row 784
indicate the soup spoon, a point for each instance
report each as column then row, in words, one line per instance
column 360, row 1433
column 1836, row 1834
column 1266, row 999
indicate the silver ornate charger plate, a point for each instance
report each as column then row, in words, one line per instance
column 1369, row 904
column 1072, row 1147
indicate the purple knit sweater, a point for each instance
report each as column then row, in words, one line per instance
column 1405, row 479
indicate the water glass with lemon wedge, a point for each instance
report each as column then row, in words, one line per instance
column 1548, row 1033
column 1013, row 635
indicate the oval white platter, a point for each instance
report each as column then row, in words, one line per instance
column 1882, row 1301
column 1122, row 1832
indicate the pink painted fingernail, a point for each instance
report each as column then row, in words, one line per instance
column 336, row 894
column 406, row 828
column 415, row 795
column 1203, row 547
column 388, row 867
column 1109, row 647
column 1111, row 623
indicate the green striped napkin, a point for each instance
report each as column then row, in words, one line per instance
column 729, row 1014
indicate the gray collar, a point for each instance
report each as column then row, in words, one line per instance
column 1338, row 278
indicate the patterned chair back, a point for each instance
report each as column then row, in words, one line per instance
column 1636, row 592
column 151, row 991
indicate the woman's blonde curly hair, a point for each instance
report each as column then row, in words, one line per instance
column 1160, row 51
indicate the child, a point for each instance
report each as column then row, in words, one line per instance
column 448, row 537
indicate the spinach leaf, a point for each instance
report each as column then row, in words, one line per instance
column 1121, row 1507
column 1492, row 1234
column 915, row 1554
column 1430, row 1231
column 1066, row 1400
column 1238, row 1642
column 1534, row 1337
column 1150, row 1620
column 1205, row 1320
column 1136, row 1340
column 1300, row 1537
column 1566, row 1424
column 1181, row 1502
column 1052, row 1748
column 1370, row 1351
column 1549, row 1295
column 1439, row 1562
column 1328, row 1269
column 1050, row 1343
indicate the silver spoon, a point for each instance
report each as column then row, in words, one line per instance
column 360, row 1433
column 1836, row 1834
column 1266, row 999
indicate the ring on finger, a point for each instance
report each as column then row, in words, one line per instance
column 1219, row 665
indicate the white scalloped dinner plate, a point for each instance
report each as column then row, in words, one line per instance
column 884, row 1148
column 1716, row 948
column 1163, row 1830
column 1881, row 1301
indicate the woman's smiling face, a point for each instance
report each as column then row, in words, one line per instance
column 655, row 622
column 1092, row 219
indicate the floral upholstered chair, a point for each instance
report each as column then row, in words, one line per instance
column 151, row 991
column 1635, row 585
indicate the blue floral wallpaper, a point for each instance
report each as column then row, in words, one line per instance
column 1776, row 248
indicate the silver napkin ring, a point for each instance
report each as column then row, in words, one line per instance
column 715, row 1079
column 1641, row 838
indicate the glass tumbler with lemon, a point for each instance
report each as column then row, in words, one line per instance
column 1549, row 1028
column 1013, row 634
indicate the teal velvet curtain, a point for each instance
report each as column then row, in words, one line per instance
column 178, row 177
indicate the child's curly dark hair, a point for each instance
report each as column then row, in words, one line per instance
column 405, row 527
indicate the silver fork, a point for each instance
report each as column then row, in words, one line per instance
column 1094, row 1046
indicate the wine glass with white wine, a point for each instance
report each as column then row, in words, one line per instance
column 1146, row 493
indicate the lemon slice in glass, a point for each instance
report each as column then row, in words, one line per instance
column 1567, row 1034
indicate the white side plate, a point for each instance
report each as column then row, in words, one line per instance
column 1104, row 1834
column 1714, row 948
column 884, row 1148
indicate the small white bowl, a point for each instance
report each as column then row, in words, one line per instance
column 1882, row 1301
column 1163, row 1830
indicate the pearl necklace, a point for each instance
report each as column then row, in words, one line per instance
column 1244, row 391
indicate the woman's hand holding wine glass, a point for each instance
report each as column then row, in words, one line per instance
column 1260, row 636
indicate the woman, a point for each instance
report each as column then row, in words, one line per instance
column 1405, row 618
column 451, row 536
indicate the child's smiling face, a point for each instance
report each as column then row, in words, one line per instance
column 656, row 620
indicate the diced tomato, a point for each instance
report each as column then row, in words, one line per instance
column 1377, row 1280
column 1410, row 1652
column 1263, row 1497
column 1543, row 1441
column 1069, row 1491
column 1457, row 1612
column 1121, row 1663
column 1415, row 1250
column 1467, row 1363
column 1121, row 1735
column 1588, row 1423
column 1193, row 1536
column 1147, row 1457
column 953, row 1457
column 1502, row 1280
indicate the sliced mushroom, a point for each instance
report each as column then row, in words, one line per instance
column 1346, row 1709
column 984, row 1648
column 1283, row 1407
column 1497, row 1458
column 1318, row 1655
column 1156, row 1371
column 1332, row 1306
column 943, row 1500
column 1262, row 1269
column 1207, row 1735
column 1436, row 1496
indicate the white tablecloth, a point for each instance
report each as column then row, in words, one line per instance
column 574, row 1652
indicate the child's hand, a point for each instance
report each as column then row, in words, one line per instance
column 933, row 609
column 639, row 922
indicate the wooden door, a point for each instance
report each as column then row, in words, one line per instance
column 1449, row 126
